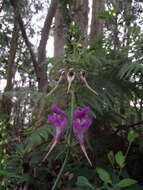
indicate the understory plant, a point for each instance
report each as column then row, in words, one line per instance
column 79, row 122
column 115, row 178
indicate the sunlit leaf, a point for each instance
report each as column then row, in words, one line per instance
column 120, row 159
column 111, row 158
column 132, row 135
column 104, row 175
column 83, row 182
column 126, row 182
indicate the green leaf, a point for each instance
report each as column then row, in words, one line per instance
column 120, row 159
column 37, row 137
column 83, row 182
column 104, row 15
column 132, row 135
column 20, row 148
column 126, row 182
column 104, row 175
column 111, row 158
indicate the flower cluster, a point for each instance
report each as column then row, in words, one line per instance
column 81, row 123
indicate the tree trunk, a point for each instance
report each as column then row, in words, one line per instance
column 81, row 17
column 59, row 39
column 42, row 73
column 6, row 101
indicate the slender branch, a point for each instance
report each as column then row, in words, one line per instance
column 121, row 127
column 46, row 30
column 10, row 71
column 12, row 53
column 24, row 35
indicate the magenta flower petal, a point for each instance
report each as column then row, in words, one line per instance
column 79, row 113
column 59, row 120
column 85, row 153
column 81, row 123
column 57, row 110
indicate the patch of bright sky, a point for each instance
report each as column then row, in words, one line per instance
column 89, row 16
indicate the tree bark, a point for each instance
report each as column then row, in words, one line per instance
column 6, row 101
column 59, row 39
column 43, row 85
column 81, row 17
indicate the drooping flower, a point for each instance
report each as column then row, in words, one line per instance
column 59, row 120
column 82, row 76
column 62, row 73
column 81, row 123
column 70, row 78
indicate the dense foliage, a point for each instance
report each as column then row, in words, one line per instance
column 97, row 64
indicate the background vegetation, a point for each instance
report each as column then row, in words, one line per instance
column 104, row 38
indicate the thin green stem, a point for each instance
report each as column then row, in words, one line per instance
column 71, row 117
column 69, row 145
column 126, row 154
column 61, row 170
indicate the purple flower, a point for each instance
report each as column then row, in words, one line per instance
column 81, row 123
column 59, row 120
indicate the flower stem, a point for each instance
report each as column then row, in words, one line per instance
column 61, row 170
column 126, row 154
column 69, row 145
column 71, row 117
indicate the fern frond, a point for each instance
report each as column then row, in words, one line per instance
column 38, row 137
column 129, row 69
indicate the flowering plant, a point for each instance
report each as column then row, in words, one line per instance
column 59, row 120
column 81, row 122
